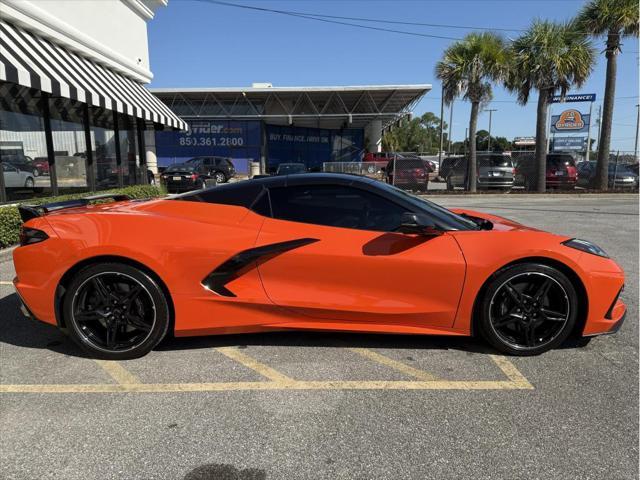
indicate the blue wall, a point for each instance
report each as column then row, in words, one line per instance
column 241, row 141
column 238, row 140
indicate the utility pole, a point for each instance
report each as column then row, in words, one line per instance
column 466, row 140
column 586, row 156
column 635, row 149
column 490, row 113
column 441, row 129
column 450, row 125
column 598, row 122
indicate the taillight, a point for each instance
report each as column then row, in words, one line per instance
column 419, row 172
column 30, row 236
column 194, row 176
column 514, row 171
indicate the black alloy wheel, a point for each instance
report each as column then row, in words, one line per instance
column 528, row 309
column 115, row 311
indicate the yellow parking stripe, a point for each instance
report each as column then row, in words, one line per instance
column 294, row 385
column 394, row 364
column 118, row 372
column 510, row 370
column 253, row 364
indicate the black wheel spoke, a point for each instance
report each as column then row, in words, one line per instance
column 116, row 312
column 526, row 311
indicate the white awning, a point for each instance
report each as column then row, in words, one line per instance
column 34, row 62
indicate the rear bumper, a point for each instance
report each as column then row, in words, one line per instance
column 24, row 308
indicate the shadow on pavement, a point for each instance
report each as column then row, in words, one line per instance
column 214, row 471
column 23, row 332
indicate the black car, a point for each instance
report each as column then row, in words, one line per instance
column 197, row 173
column 21, row 162
column 291, row 168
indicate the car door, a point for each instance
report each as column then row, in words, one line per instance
column 11, row 176
column 347, row 268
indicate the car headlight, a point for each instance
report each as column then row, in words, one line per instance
column 585, row 246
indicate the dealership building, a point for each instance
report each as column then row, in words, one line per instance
column 74, row 114
column 271, row 125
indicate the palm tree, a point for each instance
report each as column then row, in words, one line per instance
column 549, row 57
column 467, row 68
column 613, row 19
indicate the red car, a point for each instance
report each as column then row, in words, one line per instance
column 562, row 171
column 41, row 166
column 409, row 173
column 309, row 252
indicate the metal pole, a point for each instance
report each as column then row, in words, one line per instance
column 466, row 139
column 490, row 116
column 615, row 171
column 441, row 128
column 586, row 156
column 549, row 127
column 635, row 149
column 450, row 126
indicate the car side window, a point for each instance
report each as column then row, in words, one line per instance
column 335, row 206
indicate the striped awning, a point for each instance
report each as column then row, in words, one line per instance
column 35, row 62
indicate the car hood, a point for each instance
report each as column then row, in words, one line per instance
column 499, row 223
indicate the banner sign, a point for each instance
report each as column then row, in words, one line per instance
column 581, row 97
column 570, row 121
column 564, row 144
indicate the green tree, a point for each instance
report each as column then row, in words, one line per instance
column 549, row 57
column 614, row 20
column 419, row 134
column 467, row 69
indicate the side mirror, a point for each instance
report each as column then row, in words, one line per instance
column 413, row 223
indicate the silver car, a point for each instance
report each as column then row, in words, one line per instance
column 495, row 170
column 14, row 178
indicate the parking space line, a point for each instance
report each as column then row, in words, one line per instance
column 4, row 282
column 394, row 364
column 118, row 372
column 510, row 370
column 249, row 362
column 293, row 385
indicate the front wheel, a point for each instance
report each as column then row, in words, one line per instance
column 528, row 309
column 29, row 183
column 220, row 177
column 115, row 311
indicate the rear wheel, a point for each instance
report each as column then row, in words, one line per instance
column 29, row 183
column 528, row 309
column 220, row 177
column 115, row 311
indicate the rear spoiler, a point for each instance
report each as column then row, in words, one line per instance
column 27, row 212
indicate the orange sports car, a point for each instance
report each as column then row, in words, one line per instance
column 313, row 252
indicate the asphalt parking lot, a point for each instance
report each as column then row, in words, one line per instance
column 334, row 406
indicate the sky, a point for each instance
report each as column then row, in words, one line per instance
column 202, row 44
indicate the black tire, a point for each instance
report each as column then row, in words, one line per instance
column 220, row 177
column 29, row 183
column 97, row 294
column 450, row 185
column 202, row 184
column 518, row 316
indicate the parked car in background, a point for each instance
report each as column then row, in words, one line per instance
column 495, row 170
column 445, row 167
column 16, row 178
column 408, row 172
column 291, row 168
column 620, row 176
column 41, row 165
column 561, row 171
column 21, row 162
column 220, row 169
column 378, row 159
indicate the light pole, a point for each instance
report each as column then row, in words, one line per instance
column 635, row 149
column 490, row 115
column 441, row 129
column 450, row 125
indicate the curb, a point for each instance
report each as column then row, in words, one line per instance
column 6, row 254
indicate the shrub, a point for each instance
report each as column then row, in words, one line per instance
column 10, row 218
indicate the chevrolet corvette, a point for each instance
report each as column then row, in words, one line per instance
column 324, row 252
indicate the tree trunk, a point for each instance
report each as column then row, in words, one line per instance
column 472, row 177
column 541, row 141
column 604, row 142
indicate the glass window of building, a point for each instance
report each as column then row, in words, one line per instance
column 69, row 144
column 128, row 150
column 103, row 139
column 23, row 149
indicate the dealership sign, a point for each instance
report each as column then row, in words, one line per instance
column 570, row 121
column 564, row 144
column 584, row 97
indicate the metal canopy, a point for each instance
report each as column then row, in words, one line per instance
column 320, row 107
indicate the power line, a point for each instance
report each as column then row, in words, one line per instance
column 334, row 18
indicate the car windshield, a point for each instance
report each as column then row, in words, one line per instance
column 291, row 168
column 194, row 160
column 560, row 161
column 431, row 208
column 179, row 168
column 495, row 161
